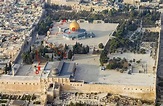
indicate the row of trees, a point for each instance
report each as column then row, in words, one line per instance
column 112, row 15
column 78, row 48
column 44, row 25
column 106, row 16
column 55, row 51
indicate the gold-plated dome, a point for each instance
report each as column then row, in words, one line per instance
column 74, row 26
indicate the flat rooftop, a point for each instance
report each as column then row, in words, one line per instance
column 67, row 70
column 64, row 69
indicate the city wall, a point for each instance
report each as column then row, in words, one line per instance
column 38, row 86
column 19, row 85
column 141, row 92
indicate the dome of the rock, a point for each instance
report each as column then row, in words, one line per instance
column 74, row 26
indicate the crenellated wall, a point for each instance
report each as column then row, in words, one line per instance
column 19, row 85
column 141, row 92
column 40, row 85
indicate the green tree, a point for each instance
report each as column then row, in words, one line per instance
column 6, row 68
column 101, row 46
column 66, row 47
column 27, row 57
column 138, row 61
column 10, row 66
column 70, row 54
column 24, row 57
column 83, row 50
column 103, row 57
column 87, row 49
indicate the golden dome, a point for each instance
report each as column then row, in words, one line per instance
column 74, row 26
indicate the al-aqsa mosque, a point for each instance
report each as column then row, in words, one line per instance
column 72, row 30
